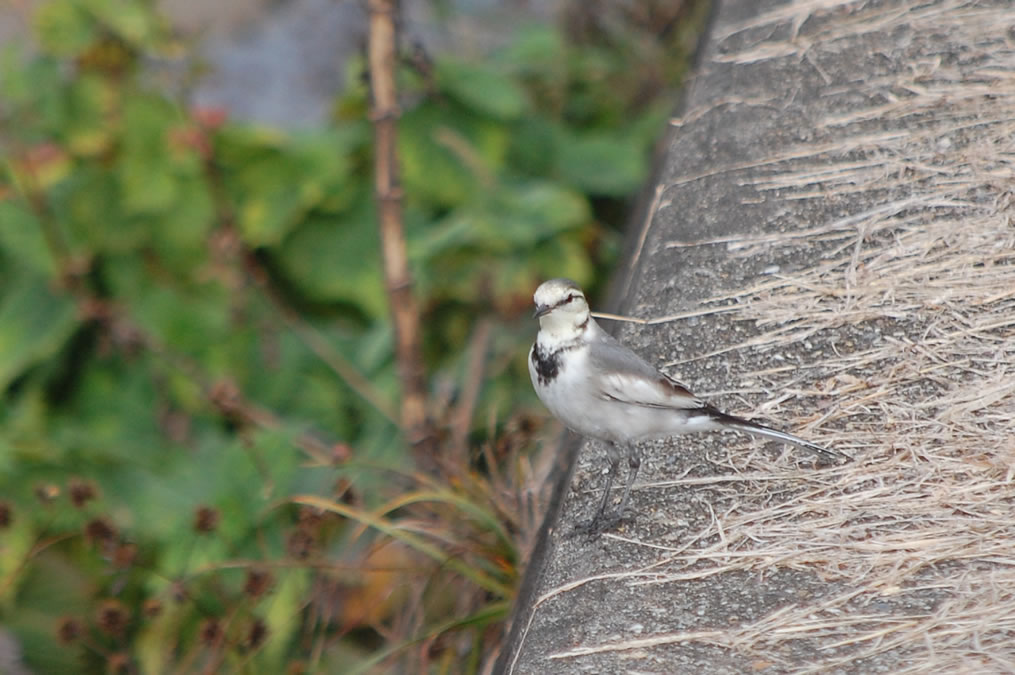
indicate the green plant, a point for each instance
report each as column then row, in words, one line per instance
column 199, row 452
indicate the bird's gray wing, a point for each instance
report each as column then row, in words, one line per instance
column 621, row 375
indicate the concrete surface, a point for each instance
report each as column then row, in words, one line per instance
column 819, row 139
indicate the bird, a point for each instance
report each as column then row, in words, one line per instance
column 601, row 389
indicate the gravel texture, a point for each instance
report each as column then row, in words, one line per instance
column 830, row 249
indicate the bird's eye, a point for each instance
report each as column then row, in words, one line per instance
column 570, row 298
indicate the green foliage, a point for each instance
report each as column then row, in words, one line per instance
column 482, row 88
column 34, row 325
column 194, row 330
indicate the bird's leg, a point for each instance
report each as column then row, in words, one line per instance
column 600, row 521
column 614, row 457
column 633, row 464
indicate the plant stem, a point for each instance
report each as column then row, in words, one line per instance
column 404, row 311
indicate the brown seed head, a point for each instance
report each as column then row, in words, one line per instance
column 99, row 531
column 152, row 607
column 310, row 518
column 118, row 662
column 178, row 592
column 299, row 544
column 124, row 555
column 258, row 583
column 81, row 492
column 206, row 519
column 112, row 617
column 225, row 396
column 258, row 632
column 68, row 630
column 6, row 515
column 210, row 632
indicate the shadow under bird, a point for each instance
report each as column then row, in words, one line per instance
column 601, row 389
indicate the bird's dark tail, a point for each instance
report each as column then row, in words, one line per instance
column 755, row 429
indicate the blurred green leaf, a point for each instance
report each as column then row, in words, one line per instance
column 239, row 481
column 35, row 323
column 146, row 172
column 651, row 124
column 21, row 238
column 64, row 27
column 91, row 105
column 448, row 154
column 32, row 96
column 283, row 618
column 563, row 256
column 53, row 586
column 601, row 164
column 534, row 145
column 157, row 632
column 512, row 218
column 535, row 50
column 226, row 266
column 112, row 420
column 90, row 203
column 130, row 20
column 190, row 319
column 279, row 178
column 182, row 234
column 337, row 260
column 482, row 87
column 539, row 209
column 192, row 322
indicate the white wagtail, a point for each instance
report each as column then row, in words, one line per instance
column 601, row 389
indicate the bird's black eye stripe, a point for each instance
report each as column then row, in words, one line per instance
column 570, row 298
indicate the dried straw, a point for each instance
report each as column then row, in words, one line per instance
column 911, row 308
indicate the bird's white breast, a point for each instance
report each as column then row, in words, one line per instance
column 571, row 398
column 580, row 396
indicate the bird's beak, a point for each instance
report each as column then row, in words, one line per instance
column 541, row 310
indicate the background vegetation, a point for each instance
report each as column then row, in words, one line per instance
column 201, row 468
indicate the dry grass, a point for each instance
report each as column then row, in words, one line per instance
column 911, row 310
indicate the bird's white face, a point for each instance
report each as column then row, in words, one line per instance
column 561, row 307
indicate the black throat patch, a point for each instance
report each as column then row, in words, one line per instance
column 547, row 364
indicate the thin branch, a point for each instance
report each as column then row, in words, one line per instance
column 461, row 418
column 404, row 311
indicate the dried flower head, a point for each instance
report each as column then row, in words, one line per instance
column 299, row 544
column 310, row 518
column 258, row 583
column 257, row 634
column 6, row 515
column 118, row 662
column 152, row 607
column 206, row 519
column 225, row 396
column 340, row 452
column 112, row 617
column 68, row 630
column 178, row 592
column 81, row 492
column 124, row 555
column 98, row 530
column 210, row 632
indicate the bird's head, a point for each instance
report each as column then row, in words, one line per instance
column 561, row 306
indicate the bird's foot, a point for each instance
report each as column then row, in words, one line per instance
column 603, row 522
